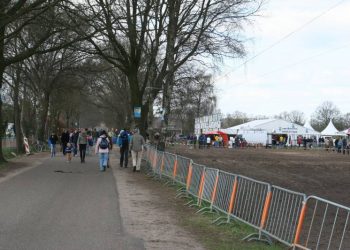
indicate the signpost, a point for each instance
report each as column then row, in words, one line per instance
column 137, row 112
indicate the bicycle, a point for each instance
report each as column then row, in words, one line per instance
column 39, row 147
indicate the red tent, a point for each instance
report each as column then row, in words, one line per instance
column 218, row 132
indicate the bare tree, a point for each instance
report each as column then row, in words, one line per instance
column 38, row 19
column 323, row 114
column 294, row 116
column 346, row 121
column 193, row 96
column 149, row 40
column 13, row 77
column 109, row 92
column 235, row 118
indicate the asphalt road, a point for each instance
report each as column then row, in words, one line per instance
column 58, row 205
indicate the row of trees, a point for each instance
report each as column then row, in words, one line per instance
column 319, row 119
column 56, row 57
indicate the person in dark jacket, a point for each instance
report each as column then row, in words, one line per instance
column 52, row 141
column 123, row 143
column 64, row 140
column 82, row 142
column 75, row 137
column 344, row 144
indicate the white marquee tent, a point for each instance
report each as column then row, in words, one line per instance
column 272, row 127
column 308, row 125
column 331, row 130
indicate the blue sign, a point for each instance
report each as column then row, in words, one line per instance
column 137, row 112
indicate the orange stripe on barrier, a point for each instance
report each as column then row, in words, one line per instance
column 162, row 166
column 233, row 195
column 175, row 169
column 155, row 160
column 189, row 177
column 266, row 209
column 201, row 186
column 215, row 188
column 151, row 158
column 300, row 224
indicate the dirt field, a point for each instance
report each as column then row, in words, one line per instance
column 313, row 172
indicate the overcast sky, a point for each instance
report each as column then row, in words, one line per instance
column 299, row 73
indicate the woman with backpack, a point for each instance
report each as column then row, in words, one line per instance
column 102, row 148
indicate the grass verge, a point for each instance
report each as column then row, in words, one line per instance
column 214, row 237
column 8, row 154
column 223, row 237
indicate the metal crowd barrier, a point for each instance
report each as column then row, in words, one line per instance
column 182, row 169
column 194, row 179
column 249, row 201
column 289, row 217
column 323, row 225
column 158, row 163
column 169, row 165
column 283, row 213
column 224, row 191
column 208, row 186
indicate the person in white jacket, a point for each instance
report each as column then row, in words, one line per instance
column 102, row 148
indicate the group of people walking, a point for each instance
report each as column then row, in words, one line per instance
column 83, row 140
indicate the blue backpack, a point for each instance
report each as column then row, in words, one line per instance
column 124, row 139
column 104, row 143
column 91, row 142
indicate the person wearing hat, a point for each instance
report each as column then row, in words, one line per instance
column 136, row 146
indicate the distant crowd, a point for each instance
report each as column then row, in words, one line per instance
column 338, row 144
column 216, row 141
column 86, row 140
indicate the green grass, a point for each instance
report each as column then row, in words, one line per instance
column 8, row 153
column 227, row 236
column 223, row 237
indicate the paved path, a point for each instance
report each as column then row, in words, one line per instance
column 62, row 206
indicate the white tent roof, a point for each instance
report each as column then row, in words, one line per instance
column 331, row 130
column 251, row 125
column 308, row 125
column 346, row 131
column 274, row 126
column 229, row 131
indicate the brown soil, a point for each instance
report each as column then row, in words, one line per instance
column 150, row 211
column 313, row 172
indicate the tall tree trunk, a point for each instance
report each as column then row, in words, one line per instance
column 136, row 101
column 170, row 54
column 67, row 119
column 199, row 104
column 43, row 118
column 144, row 119
column 24, row 101
column 17, row 111
column 2, row 70
column 2, row 127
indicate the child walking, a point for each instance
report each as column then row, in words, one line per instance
column 69, row 150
